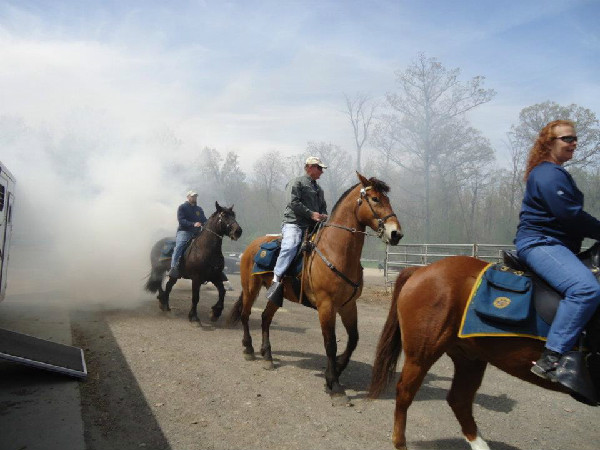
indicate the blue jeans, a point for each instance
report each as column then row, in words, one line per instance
column 562, row 270
column 291, row 238
column 180, row 240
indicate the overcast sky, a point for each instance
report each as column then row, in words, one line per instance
column 255, row 76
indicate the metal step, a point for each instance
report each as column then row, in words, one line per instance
column 43, row 354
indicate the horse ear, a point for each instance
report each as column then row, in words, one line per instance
column 218, row 206
column 362, row 179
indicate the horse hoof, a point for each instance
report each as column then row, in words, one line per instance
column 213, row 318
column 339, row 400
column 163, row 307
column 194, row 319
column 249, row 356
column 268, row 365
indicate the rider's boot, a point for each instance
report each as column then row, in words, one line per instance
column 275, row 293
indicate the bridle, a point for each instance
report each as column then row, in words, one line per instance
column 379, row 233
column 227, row 227
column 380, row 220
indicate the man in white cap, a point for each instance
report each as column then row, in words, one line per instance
column 305, row 207
column 191, row 218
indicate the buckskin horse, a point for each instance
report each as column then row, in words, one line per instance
column 423, row 321
column 331, row 278
column 203, row 261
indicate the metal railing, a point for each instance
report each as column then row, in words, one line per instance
column 406, row 255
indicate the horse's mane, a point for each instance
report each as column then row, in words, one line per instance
column 376, row 184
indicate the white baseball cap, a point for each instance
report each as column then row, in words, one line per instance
column 314, row 161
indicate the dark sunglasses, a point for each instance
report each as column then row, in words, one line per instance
column 318, row 167
column 567, row 139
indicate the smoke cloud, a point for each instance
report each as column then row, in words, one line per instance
column 88, row 208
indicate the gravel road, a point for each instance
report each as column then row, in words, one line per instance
column 158, row 382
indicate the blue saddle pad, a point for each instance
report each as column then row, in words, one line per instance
column 168, row 248
column 501, row 304
column 266, row 257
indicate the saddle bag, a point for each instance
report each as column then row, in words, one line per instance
column 504, row 296
column 267, row 254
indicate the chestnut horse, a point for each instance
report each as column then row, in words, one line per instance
column 332, row 275
column 424, row 319
column 203, row 261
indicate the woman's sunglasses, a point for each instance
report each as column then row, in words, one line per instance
column 567, row 139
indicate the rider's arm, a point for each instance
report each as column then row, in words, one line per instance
column 565, row 202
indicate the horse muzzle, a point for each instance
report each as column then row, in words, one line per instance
column 391, row 234
column 235, row 233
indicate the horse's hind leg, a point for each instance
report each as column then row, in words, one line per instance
column 411, row 378
column 349, row 318
column 265, row 348
column 217, row 308
column 164, row 298
column 468, row 375
column 250, row 289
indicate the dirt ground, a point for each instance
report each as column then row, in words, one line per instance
column 158, row 382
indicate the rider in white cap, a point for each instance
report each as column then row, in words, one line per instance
column 191, row 218
column 305, row 207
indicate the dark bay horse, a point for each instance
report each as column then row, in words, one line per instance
column 332, row 277
column 203, row 261
column 424, row 319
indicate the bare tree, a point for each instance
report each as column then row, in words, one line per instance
column 430, row 98
column 361, row 111
column 269, row 174
column 339, row 173
column 225, row 173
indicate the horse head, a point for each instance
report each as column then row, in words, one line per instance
column 374, row 210
column 226, row 224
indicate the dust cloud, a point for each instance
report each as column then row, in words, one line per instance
column 89, row 205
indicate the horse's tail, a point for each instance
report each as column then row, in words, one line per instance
column 154, row 282
column 390, row 342
column 236, row 311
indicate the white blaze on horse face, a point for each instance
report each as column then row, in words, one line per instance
column 388, row 229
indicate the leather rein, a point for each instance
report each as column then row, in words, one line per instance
column 380, row 230
column 220, row 236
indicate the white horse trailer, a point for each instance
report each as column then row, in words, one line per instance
column 18, row 347
column 7, row 195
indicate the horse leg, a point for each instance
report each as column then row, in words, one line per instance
column 217, row 308
column 412, row 376
column 349, row 317
column 265, row 348
column 193, row 314
column 327, row 319
column 468, row 375
column 164, row 298
column 249, row 292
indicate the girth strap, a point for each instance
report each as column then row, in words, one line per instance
column 339, row 274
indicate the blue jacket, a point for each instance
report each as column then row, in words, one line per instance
column 553, row 207
column 188, row 215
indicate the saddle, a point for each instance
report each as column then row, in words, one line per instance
column 545, row 297
column 579, row 369
column 266, row 258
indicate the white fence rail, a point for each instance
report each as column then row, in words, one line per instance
column 406, row 255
